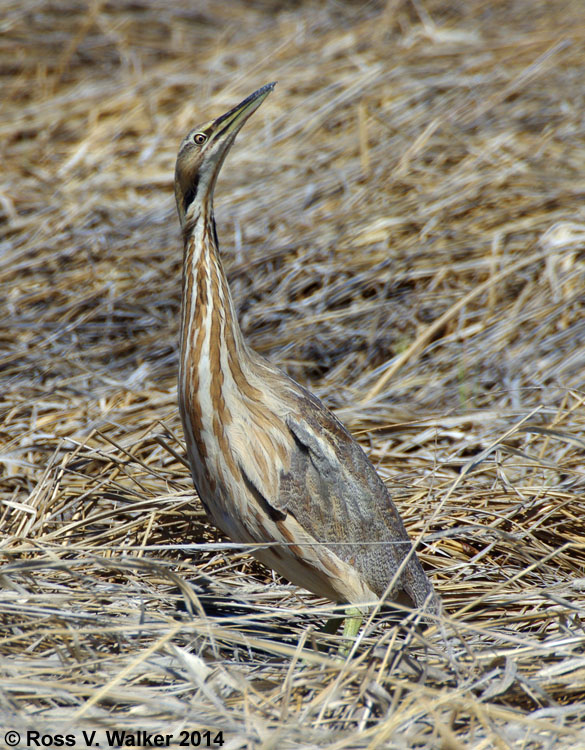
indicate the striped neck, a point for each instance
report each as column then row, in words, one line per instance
column 231, row 415
column 208, row 311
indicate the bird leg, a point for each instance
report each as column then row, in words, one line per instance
column 352, row 622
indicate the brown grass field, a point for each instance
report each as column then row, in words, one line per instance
column 403, row 228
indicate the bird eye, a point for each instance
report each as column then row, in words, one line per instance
column 199, row 138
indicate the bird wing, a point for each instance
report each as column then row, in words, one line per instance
column 331, row 472
column 334, row 493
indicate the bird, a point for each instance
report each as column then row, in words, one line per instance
column 272, row 466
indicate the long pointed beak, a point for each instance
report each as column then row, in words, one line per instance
column 232, row 121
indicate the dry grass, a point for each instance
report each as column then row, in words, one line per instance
column 403, row 228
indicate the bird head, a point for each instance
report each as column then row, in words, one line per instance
column 203, row 151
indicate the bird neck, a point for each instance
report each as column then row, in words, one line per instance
column 209, row 326
column 224, row 387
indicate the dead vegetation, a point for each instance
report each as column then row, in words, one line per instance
column 403, row 229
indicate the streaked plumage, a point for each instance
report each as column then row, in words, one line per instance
column 269, row 461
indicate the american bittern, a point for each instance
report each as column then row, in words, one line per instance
column 269, row 460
